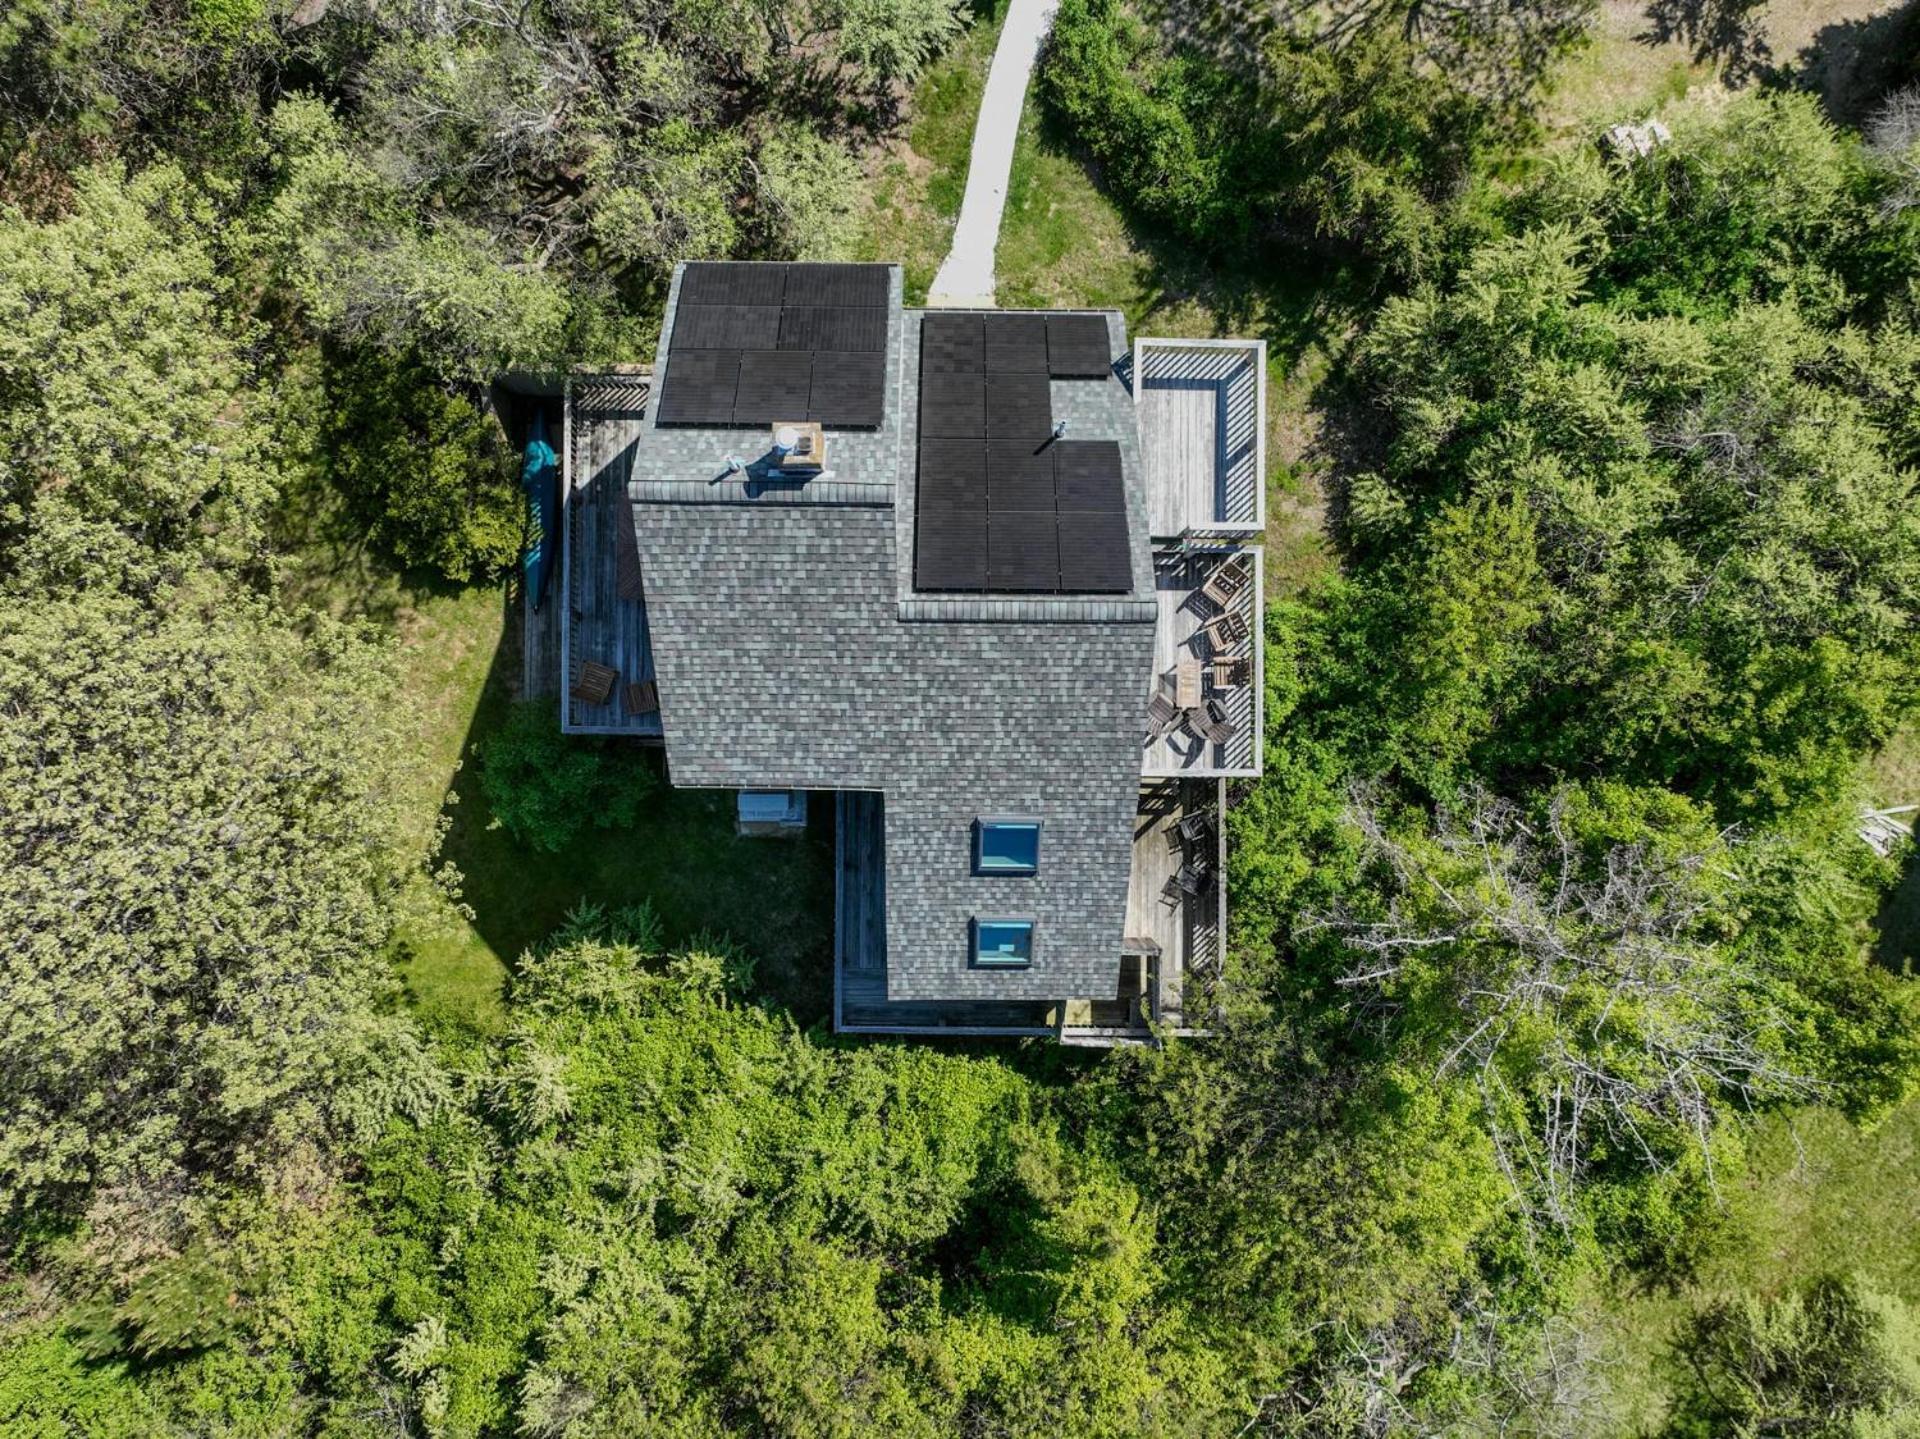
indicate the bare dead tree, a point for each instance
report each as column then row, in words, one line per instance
column 1893, row 138
column 1636, row 1026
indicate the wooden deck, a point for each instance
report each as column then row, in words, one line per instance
column 1202, row 412
column 605, row 616
column 1184, row 928
column 1184, row 612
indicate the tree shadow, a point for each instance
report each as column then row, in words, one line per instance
column 1852, row 64
column 1727, row 33
column 1896, row 928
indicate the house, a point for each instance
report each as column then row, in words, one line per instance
column 987, row 583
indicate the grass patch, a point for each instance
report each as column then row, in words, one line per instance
column 918, row 182
column 1820, row 1197
column 460, row 669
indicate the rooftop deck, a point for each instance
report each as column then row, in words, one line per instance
column 604, row 618
column 1182, row 636
column 1202, row 410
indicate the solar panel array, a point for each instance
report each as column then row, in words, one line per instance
column 1002, row 506
column 756, row 344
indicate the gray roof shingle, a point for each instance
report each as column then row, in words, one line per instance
column 792, row 652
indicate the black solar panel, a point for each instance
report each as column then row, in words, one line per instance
column 1089, row 475
column 953, row 407
column 951, row 558
column 1019, row 478
column 774, row 385
column 728, row 283
column 1023, row 552
column 815, row 335
column 849, row 391
column 951, row 344
column 1016, row 343
column 699, row 387
column 1093, row 553
column 809, row 284
column 727, row 327
column 1077, row 347
column 950, row 519
column 1019, row 409
column 953, row 472
column 845, row 328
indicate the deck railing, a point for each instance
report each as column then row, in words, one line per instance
column 1234, row 374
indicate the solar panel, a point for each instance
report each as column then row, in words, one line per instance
column 829, row 322
column 849, row 391
column 732, row 283
column 699, row 387
column 1023, row 551
column 1093, row 553
column 954, row 473
column 1015, row 343
column 950, row 523
column 1089, row 475
column 1019, row 408
column 727, row 327
column 809, row 284
column 951, row 344
column 1078, row 347
column 845, row 328
column 953, row 407
column 1019, row 478
column 774, row 385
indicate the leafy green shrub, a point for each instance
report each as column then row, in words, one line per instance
column 546, row 789
column 423, row 467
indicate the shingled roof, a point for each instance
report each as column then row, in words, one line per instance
column 793, row 652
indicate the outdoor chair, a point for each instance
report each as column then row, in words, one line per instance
column 1226, row 582
column 1226, row 631
column 595, row 682
column 642, row 698
column 1161, row 713
column 1231, row 672
column 1195, row 827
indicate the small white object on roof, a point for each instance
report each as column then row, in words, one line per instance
column 786, row 438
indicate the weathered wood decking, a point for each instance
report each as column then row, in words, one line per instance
column 1184, row 612
column 604, row 618
column 1202, row 410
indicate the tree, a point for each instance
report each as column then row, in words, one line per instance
column 196, row 826
column 1831, row 1359
column 129, row 438
column 1583, row 986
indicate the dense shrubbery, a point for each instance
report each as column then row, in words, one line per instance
column 423, row 467
column 547, row 789
column 1360, row 143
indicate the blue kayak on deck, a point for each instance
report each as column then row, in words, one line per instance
column 540, row 478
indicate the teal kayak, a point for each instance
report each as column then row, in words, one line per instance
column 540, row 478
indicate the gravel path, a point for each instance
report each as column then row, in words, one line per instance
column 966, row 276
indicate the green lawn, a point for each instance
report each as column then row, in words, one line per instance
column 460, row 670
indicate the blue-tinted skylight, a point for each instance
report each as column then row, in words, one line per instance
column 1003, row 943
column 1006, row 846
